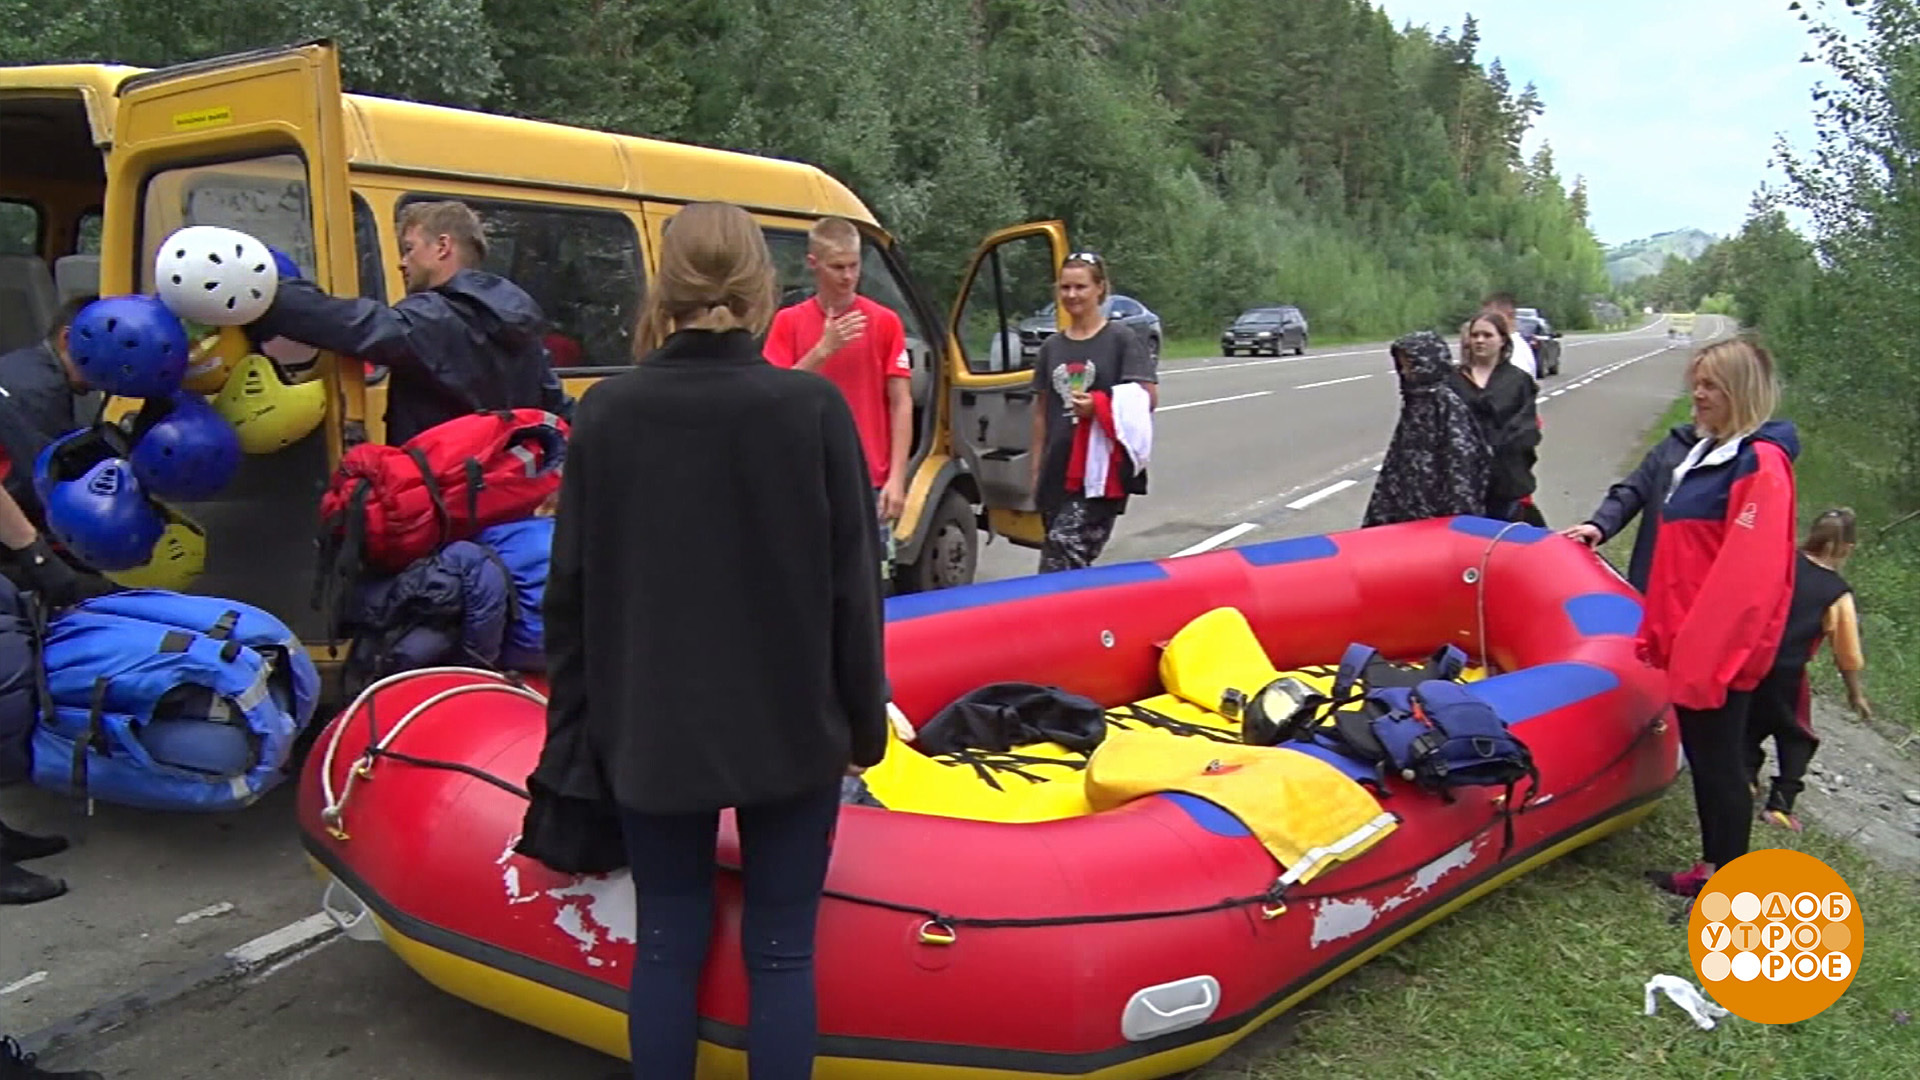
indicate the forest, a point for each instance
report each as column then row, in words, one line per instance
column 1835, row 296
column 1219, row 153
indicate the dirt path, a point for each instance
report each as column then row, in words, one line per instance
column 1862, row 787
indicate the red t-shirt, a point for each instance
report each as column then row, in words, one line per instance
column 860, row 370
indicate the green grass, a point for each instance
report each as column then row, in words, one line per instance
column 1544, row 977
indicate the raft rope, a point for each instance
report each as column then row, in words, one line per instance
column 1479, row 583
column 938, row 928
column 379, row 744
column 985, row 763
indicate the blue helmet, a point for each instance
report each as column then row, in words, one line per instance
column 183, row 449
column 104, row 518
column 284, row 264
column 132, row 346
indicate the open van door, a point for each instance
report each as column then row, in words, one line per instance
column 254, row 141
column 1009, row 282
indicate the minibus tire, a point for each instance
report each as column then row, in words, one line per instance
column 949, row 555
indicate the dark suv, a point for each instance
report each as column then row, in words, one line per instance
column 1266, row 330
column 1543, row 339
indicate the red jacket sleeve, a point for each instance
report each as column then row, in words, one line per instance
column 1743, row 591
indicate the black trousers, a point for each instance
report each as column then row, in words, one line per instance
column 1715, row 742
column 1782, row 709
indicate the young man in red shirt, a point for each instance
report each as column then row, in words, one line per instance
column 861, row 347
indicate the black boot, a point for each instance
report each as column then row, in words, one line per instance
column 17, row 1064
column 19, row 885
column 16, row 846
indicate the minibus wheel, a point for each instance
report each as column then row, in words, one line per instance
column 950, row 551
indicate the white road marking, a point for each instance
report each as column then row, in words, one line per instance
column 1273, row 360
column 18, row 985
column 287, row 939
column 1212, row 401
column 1217, row 539
column 207, row 912
column 1326, row 492
column 1332, row 382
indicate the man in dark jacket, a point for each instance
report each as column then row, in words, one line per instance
column 1646, row 489
column 41, row 380
column 462, row 340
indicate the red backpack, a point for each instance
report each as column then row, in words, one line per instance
column 387, row 506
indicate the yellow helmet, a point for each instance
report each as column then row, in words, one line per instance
column 212, row 353
column 178, row 558
column 266, row 412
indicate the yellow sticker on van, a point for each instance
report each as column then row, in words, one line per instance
column 203, row 118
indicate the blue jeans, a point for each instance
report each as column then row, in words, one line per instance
column 783, row 854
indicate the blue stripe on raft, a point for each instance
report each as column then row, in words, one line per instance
column 986, row 593
column 1596, row 614
column 1522, row 695
column 1292, row 550
column 1210, row 816
column 1490, row 528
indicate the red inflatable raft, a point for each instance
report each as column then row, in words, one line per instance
column 1138, row 940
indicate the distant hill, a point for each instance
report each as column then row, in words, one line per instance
column 1642, row 258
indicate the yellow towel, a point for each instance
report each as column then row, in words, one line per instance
column 1300, row 807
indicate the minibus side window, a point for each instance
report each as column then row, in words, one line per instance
column 19, row 228
column 582, row 266
column 789, row 250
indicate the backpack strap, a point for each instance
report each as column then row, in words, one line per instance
column 340, row 557
column 1445, row 664
column 419, row 459
column 1353, row 667
column 476, row 480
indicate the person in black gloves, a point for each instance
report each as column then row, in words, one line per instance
column 27, row 559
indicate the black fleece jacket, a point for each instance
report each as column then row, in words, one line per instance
column 713, row 621
column 1509, row 418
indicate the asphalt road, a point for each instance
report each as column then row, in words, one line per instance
column 1246, row 450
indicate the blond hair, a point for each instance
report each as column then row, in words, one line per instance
column 831, row 235
column 1745, row 370
column 452, row 219
column 1830, row 532
column 712, row 255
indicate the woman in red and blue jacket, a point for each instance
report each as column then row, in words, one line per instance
column 1720, row 584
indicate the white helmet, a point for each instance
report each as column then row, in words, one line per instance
column 215, row 275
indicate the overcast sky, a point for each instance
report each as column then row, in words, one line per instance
column 1670, row 108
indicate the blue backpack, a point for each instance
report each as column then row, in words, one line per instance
column 167, row 701
column 524, row 549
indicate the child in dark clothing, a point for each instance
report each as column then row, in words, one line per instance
column 1822, row 610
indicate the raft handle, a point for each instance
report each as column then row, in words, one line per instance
column 348, row 912
column 1170, row 1006
column 937, row 932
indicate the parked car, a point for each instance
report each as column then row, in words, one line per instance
column 1543, row 339
column 1266, row 329
column 1124, row 310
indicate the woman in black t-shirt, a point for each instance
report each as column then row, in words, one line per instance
column 1089, row 356
column 1503, row 401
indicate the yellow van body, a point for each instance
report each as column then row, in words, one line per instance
column 102, row 162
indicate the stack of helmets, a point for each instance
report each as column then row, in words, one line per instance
column 102, row 487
